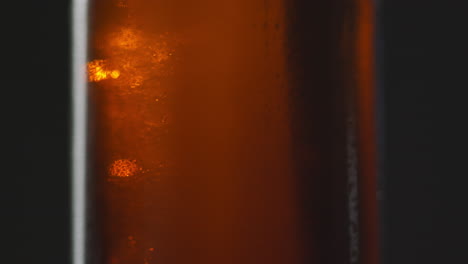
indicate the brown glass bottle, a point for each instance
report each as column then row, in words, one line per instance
column 234, row 131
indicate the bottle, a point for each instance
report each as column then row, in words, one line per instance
column 235, row 131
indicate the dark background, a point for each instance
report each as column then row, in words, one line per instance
column 35, row 116
column 422, row 63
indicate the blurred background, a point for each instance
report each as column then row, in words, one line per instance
column 422, row 68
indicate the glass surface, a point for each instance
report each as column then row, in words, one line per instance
column 233, row 131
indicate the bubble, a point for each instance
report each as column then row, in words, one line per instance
column 123, row 168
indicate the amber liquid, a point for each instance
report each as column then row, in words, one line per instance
column 229, row 132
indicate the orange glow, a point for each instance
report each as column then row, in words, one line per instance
column 367, row 134
column 122, row 3
column 127, row 38
column 203, row 95
column 123, row 168
column 131, row 241
column 97, row 71
column 115, row 74
column 140, row 57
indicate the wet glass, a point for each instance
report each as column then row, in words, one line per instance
column 233, row 131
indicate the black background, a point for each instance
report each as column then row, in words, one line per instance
column 35, row 120
column 422, row 64
column 424, row 212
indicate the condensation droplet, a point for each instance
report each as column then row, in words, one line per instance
column 123, row 168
